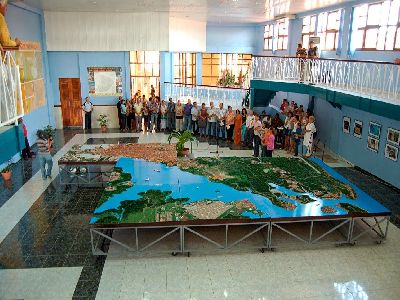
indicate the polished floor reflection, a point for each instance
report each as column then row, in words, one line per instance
column 53, row 234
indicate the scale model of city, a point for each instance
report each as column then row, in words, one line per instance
column 141, row 191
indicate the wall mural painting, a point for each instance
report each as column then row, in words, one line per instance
column 105, row 81
column 32, row 81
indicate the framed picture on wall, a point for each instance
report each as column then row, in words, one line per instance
column 391, row 152
column 346, row 125
column 358, row 125
column 374, row 129
column 393, row 136
column 373, row 144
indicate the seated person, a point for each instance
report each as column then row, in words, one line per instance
column 5, row 39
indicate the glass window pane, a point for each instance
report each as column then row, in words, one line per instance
column 358, row 39
column 374, row 11
column 394, row 12
column 332, row 21
column 397, row 45
column 391, row 33
column 384, row 13
column 306, row 38
column 330, row 41
column 312, row 24
column 381, row 38
column 371, row 38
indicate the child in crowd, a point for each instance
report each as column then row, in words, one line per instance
column 269, row 142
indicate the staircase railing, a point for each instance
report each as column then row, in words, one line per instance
column 370, row 79
column 11, row 104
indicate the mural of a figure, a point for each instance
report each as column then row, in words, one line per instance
column 5, row 39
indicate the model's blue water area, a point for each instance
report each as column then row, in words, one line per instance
column 150, row 175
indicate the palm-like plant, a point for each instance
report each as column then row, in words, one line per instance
column 186, row 136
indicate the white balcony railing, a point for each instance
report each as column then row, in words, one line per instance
column 11, row 106
column 205, row 94
column 368, row 79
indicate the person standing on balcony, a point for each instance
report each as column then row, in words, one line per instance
column 187, row 115
column 170, row 115
column 312, row 51
column 301, row 53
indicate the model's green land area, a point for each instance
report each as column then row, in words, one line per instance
column 119, row 182
column 252, row 174
column 159, row 206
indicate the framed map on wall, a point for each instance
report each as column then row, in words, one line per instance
column 105, row 81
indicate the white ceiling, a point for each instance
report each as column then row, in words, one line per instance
column 216, row 11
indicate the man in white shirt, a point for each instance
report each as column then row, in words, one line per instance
column 195, row 116
column 212, row 121
column 249, row 136
column 87, row 107
column 221, row 121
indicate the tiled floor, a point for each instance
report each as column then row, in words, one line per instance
column 46, row 237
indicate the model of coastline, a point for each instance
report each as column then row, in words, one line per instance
column 239, row 173
column 155, row 152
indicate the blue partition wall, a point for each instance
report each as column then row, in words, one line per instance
column 329, row 122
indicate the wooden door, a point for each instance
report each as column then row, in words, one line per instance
column 71, row 102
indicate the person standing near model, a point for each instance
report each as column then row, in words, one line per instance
column 87, row 107
column 44, row 144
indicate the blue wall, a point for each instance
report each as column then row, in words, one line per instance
column 27, row 24
column 231, row 38
column 75, row 64
column 329, row 125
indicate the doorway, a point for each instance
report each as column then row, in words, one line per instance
column 71, row 101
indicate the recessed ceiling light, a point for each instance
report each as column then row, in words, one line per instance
column 94, row 2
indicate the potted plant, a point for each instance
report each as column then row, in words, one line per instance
column 186, row 136
column 6, row 172
column 103, row 121
column 49, row 131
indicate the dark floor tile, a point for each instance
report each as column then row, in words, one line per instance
column 72, row 260
column 86, row 288
column 53, row 261
column 36, row 261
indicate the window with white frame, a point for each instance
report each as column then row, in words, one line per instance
column 376, row 26
column 282, row 34
column 328, row 29
column 268, row 36
column 276, row 35
column 308, row 29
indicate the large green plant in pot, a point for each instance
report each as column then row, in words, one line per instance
column 186, row 136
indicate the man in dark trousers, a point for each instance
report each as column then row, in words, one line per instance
column 87, row 107
column 120, row 100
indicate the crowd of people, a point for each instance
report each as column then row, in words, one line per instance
column 241, row 127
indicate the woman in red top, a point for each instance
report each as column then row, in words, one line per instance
column 230, row 123
column 238, row 128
